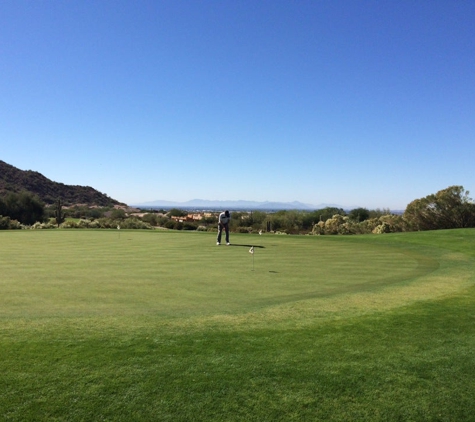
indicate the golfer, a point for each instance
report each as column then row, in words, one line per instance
column 223, row 223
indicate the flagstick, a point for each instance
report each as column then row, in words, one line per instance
column 251, row 251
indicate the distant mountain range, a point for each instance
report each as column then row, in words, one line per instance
column 234, row 205
column 15, row 180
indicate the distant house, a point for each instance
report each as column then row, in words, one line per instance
column 194, row 217
column 189, row 217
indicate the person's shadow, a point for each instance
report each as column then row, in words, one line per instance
column 247, row 246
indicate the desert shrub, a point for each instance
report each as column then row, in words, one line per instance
column 133, row 223
column 94, row 224
column 173, row 225
column 6, row 223
column 369, row 225
column 117, row 214
column 69, row 224
column 161, row 221
column 202, row 229
column 94, row 213
column 169, row 224
column 83, row 224
column 319, row 228
column 43, row 226
column 396, row 222
column 382, row 228
column 332, row 225
column 151, row 219
column 346, row 228
column 189, row 226
column 244, row 229
column 16, row 225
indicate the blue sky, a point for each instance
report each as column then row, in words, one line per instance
column 356, row 103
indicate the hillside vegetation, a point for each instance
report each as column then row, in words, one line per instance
column 24, row 194
column 14, row 180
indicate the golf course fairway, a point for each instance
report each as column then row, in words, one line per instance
column 164, row 325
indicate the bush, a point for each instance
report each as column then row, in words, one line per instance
column 244, row 229
column 319, row 228
column 169, row 224
column 83, row 224
column 151, row 219
column 133, row 223
column 43, row 226
column 94, row 224
column 382, row 228
column 6, row 223
column 346, row 228
column 339, row 224
column 189, row 226
column 332, row 225
column 69, row 224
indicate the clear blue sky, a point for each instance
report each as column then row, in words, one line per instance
column 357, row 103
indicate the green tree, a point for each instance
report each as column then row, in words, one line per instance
column 447, row 209
column 151, row 218
column 359, row 214
column 94, row 213
column 309, row 219
column 292, row 221
column 175, row 212
column 118, row 214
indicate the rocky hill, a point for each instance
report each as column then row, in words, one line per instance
column 15, row 180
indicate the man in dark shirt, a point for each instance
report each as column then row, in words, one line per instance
column 223, row 223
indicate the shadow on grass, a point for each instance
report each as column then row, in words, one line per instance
column 247, row 246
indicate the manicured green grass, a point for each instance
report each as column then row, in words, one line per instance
column 131, row 325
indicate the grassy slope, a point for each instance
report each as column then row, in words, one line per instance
column 167, row 326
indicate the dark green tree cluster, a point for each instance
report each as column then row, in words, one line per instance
column 23, row 207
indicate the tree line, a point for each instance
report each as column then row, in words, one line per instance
column 449, row 208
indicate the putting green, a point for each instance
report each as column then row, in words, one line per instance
column 89, row 273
